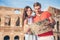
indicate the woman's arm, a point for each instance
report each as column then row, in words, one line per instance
column 25, row 21
column 26, row 27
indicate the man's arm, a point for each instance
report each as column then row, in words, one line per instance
column 52, row 22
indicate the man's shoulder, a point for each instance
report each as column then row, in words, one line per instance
column 46, row 12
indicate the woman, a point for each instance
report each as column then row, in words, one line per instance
column 28, row 19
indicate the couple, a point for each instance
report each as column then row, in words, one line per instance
column 39, row 15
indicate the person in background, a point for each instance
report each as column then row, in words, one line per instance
column 41, row 15
column 28, row 19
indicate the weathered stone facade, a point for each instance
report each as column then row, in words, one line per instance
column 11, row 23
column 56, row 15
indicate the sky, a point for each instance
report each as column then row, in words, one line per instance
column 22, row 3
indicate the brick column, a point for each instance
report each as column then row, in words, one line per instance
column 12, row 21
column 2, row 20
column 1, row 36
column 11, row 37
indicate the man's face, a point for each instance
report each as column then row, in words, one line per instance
column 37, row 9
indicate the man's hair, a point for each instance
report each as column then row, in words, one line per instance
column 37, row 4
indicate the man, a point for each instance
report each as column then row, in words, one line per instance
column 40, row 15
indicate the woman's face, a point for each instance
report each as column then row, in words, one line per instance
column 29, row 12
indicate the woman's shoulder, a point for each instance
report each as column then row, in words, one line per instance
column 25, row 21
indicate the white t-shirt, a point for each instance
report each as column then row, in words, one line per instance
column 30, row 20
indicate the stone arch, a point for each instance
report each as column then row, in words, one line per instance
column 18, row 21
column 7, row 20
column 6, row 37
column 16, row 38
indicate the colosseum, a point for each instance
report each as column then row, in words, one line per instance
column 11, row 27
